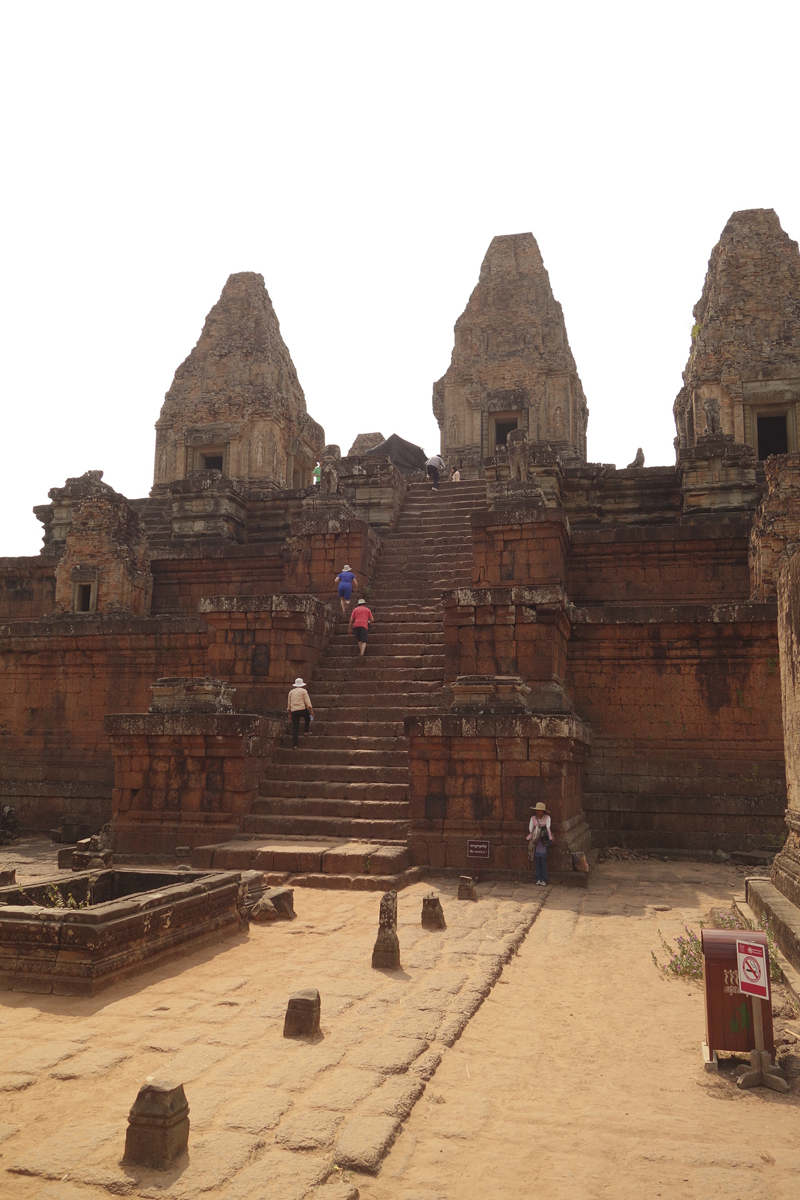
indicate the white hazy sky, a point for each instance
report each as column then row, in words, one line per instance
column 362, row 156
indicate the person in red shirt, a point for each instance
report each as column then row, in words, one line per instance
column 360, row 623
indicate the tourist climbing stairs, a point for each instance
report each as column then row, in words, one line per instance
column 343, row 794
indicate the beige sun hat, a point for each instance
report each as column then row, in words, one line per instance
column 346, row 567
column 539, row 807
column 299, row 682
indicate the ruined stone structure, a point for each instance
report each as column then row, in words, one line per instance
column 236, row 404
column 512, row 368
column 743, row 374
column 602, row 640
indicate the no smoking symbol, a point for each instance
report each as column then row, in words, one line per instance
column 751, row 969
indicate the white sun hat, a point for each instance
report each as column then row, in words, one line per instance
column 298, row 682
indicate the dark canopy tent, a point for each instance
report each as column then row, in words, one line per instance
column 405, row 455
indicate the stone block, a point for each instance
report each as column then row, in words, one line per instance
column 432, row 913
column 386, row 952
column 466, row 888
column 158, row 1126
column 302, row 1014
column 7, row 878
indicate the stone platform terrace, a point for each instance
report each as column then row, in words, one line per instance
column 580, row 1044
column 269, row 1116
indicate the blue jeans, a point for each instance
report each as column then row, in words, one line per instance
column 540, row 867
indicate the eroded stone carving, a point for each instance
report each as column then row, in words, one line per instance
column 329, row 468
column 745, row 352
column 512, row 367
column 638, row 460
column 236, row 404
column 386, row 952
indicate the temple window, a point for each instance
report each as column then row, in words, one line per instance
column 84, row 597
column 773, row 437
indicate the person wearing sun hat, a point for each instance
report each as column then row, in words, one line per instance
column 540, row 839
column 299, row 704
column 346, row 581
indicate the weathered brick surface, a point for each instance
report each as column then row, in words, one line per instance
column 745, row 351
column 27, row 588
column 684, row 706
column 237, row 395
column 786, row 868
column 511, row 355
column 263, row 643
column 479, row 776
column 185, row 779
column 61, row 677
column 776, row 523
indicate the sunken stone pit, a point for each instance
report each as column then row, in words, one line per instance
column 125, row 921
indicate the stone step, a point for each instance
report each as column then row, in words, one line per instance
column 352, row 744
column 318, row 858
column 367, row 810
column 300, row 772
column 358, row 686
column 334, row 725
column 319, row 789
column 324, row 755
column 315, row 827
column 376, row 667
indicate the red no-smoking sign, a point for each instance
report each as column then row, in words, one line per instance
column 753, row 973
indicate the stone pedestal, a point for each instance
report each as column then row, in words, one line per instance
column 477, row 776
column 302, row 1014
column 186, row 778
column 386, row 952
column 432, row 913
column 208, row 505
column 158, row 1126
column 717, row 475
column 466, row 888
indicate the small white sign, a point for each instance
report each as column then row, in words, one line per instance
column 753, row 974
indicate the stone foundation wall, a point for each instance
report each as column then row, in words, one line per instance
column 180, row 582
column 60, row 678
column 478, row 777
column 63, row 675
column 263, row 643
column 185, row 779
column 670, row 563
column 27, row 588
column 684, row 706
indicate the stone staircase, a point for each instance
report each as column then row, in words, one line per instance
column 342, row 797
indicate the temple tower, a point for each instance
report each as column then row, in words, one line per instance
column 742, row 379
column 512, row 367
column 236, row 404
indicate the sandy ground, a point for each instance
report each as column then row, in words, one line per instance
column 579, row 1073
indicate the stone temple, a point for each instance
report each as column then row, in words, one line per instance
column 611, row 642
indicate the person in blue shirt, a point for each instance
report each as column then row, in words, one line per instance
column 346, row 581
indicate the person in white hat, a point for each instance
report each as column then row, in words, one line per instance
column 299, row 704
column 346, row 581
column 540, row 839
